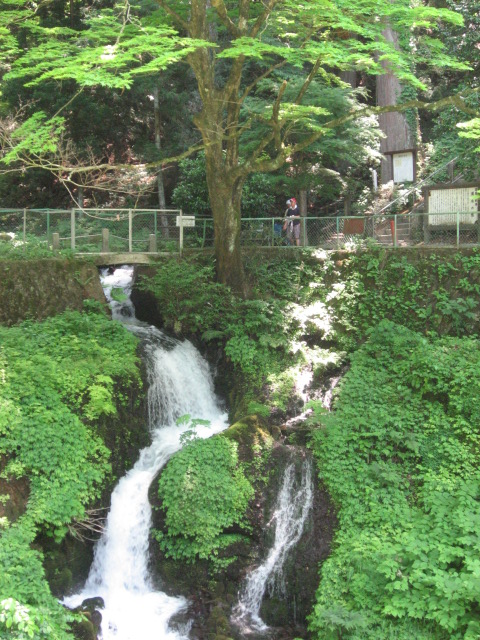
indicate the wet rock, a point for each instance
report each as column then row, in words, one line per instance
column 93, row 603
column 88, row 628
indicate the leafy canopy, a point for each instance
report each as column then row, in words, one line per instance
column 247, row 42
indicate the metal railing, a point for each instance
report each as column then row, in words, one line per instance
column 96, row 231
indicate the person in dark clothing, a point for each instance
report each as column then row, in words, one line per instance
column 292, row 226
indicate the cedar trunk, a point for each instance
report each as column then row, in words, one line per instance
column 398, row 136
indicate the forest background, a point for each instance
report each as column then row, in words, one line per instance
column 227, row 109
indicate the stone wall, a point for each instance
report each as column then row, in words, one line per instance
column 41, row 288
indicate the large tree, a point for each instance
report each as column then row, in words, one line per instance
column 232, row 48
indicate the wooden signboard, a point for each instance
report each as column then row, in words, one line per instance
column 452, row 200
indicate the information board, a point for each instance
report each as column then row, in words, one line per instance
column 186, row 221
column 452, row 201
column 403, row 167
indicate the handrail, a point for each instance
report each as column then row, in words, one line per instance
column 142, row 233
column 417, row 185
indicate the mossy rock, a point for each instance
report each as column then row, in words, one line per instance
column 249, row 431
column 84, row 630
column 218, row 625
column 276, row 612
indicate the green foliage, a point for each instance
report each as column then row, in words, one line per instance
column 470, row 130
column 399, row 458
column 19, row 622
column 254, row 333
column 455, row 139
column 191, row 193
column 204, row 495
column 56, row 380
column 430, row 294
column 32, row 249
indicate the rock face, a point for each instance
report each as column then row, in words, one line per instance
column 38, row 289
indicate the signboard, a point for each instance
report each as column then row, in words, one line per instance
column 452, row 201
column 186, row 221
column 403, row 167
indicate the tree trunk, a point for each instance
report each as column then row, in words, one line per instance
column 349, row 77
column 158, row 144
column 398, row 136
column 225, row 200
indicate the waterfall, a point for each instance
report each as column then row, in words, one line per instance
column 291, row 511
column 179, row 383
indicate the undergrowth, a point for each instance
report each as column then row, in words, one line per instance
column 205, row 494
column 57, row 378
column 400, row 457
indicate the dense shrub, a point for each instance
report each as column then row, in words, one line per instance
column 204, row 494
column 56, row 379
column 399, row 455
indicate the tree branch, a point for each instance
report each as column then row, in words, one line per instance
column 265, row 166
column 263, row 17
column 229, row 25
column 173, row 14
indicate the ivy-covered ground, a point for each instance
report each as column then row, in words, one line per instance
column 400, row 456
column 58, row 378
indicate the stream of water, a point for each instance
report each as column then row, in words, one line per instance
column 291, row 512
column 179, row 383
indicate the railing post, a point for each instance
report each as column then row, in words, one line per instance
column 181, row 232
column 204, row 232
column 24, row 229
column 48, row 226
column 130, row 227
column 105, row 240
column 458, row 229
column 273, row 232
column 338, row 232
column 72, row 229
column 395, row 230
column 152, row 243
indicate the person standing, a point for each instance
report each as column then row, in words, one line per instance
column 292, row 225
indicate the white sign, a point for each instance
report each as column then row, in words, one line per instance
column 403, row 167
column 186, row 221
column 460, row 199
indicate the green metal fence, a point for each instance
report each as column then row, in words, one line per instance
column 93, row 231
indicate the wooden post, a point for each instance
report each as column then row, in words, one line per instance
column 72, row 229
column 152, row 243
column 55, row 241
column 105, row 240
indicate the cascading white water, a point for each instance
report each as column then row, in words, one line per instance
column 179, row 384
column 291, row 511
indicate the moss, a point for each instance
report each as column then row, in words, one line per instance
column 248, row 431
